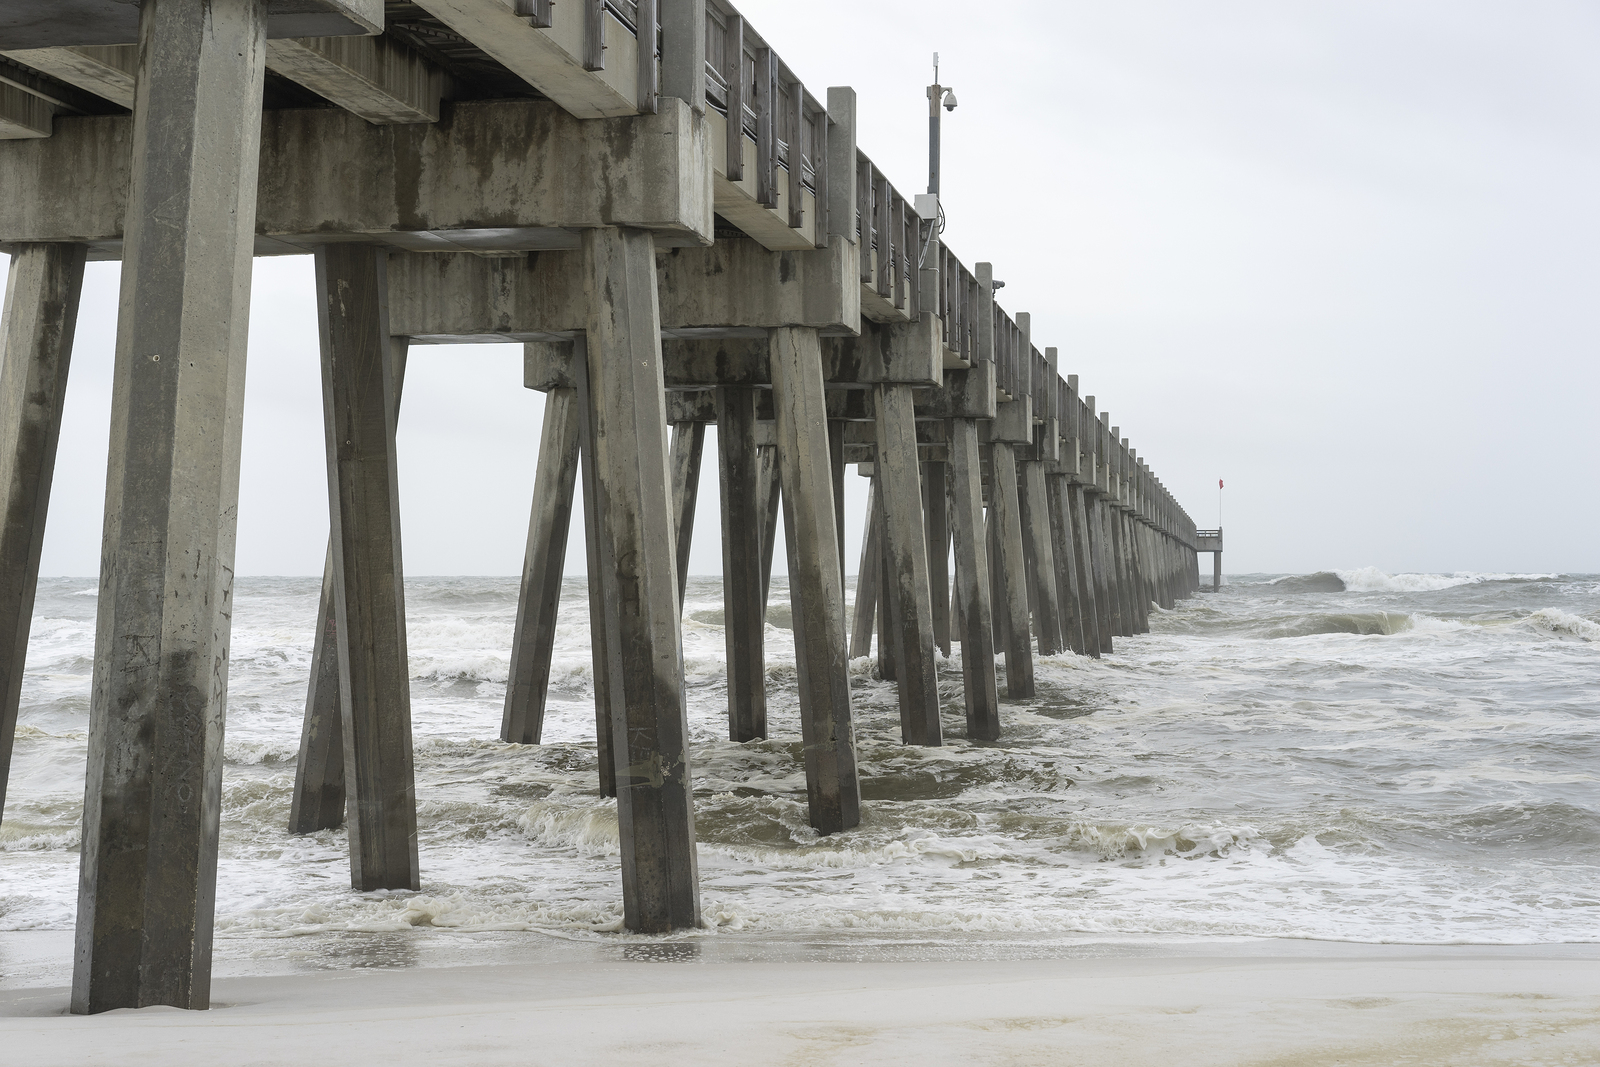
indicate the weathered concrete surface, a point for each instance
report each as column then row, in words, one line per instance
column 935, row 513
column 867, row 574
column 1083, row 560
column 36, row 328
column 639, row 582
column 815, row 591
column 50, row 23
column 975, row 617
column 1066, row 569
column 906, row 560
column 1040, row 549
column 23, row 116
column 318, row 801
column 1011, row 593
column 358, row 388
column 373, row 77
column 737, row 282
column 601, row 624
column 551, row 60
column 502, row 174
column 688, row 447
column 539, row 599
column 152, row 801
column 743, row 584
column 106, row 71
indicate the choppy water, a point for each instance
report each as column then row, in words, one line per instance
column 1404, row 759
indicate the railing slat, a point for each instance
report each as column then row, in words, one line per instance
column 594, row 34
column 766, row 136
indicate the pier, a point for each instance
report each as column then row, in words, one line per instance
column 680, row 233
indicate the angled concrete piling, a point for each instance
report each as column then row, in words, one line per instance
column 36, row 328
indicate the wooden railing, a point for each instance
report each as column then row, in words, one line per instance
column 763, row 102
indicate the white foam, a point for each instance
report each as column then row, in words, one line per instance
column 1561, row 624
column 1373, row 580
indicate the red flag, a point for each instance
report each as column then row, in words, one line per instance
column 1219, row 483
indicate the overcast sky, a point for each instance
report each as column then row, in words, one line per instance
column 1343, row 255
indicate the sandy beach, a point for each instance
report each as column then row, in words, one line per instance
column 1268, row 1003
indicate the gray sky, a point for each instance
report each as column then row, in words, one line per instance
column 1340, row 254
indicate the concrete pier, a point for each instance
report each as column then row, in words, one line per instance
column 574, row 183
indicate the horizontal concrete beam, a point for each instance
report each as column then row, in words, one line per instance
column 373, row 77
column 56, row 23
column 551, row 59
column 732, row 288
column 104, row 70
column 23, row 115
column 911, row 352
column 490, row 176
column 739, row 282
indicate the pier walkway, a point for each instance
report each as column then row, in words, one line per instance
column 680, row 233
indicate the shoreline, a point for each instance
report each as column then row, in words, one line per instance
column 699, row 1001
column 41, row 959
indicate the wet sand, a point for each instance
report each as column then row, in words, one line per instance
column 723, row 1001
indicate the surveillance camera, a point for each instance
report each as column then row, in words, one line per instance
column 949, row 101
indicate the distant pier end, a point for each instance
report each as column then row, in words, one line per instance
column 1211, row 541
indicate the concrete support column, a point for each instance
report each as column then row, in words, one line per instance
column 743, row 588
column 975, row 614
column 1124, row 558
column 1111, row 566
column 539, row 600
column 358, row 390
column 688, row 445
column 867, row 576
column 1083, row 564
column 625, row 400
column 1066, row 570
column 768, row 501
column 594, row 560
column 1040, row 548
column 934, row 510
column 1216, row 571
column 1094, row 514
column 1013, row 572
column 889, row 634
column 318, row 801
column 906, row 558
column 152, row 801
column 41, row 311
column 836, row 462
column 816, row 593
column 1138, row 600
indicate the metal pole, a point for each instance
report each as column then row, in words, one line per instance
column 935, row 94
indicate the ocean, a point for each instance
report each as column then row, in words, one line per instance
column 1345, row 756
